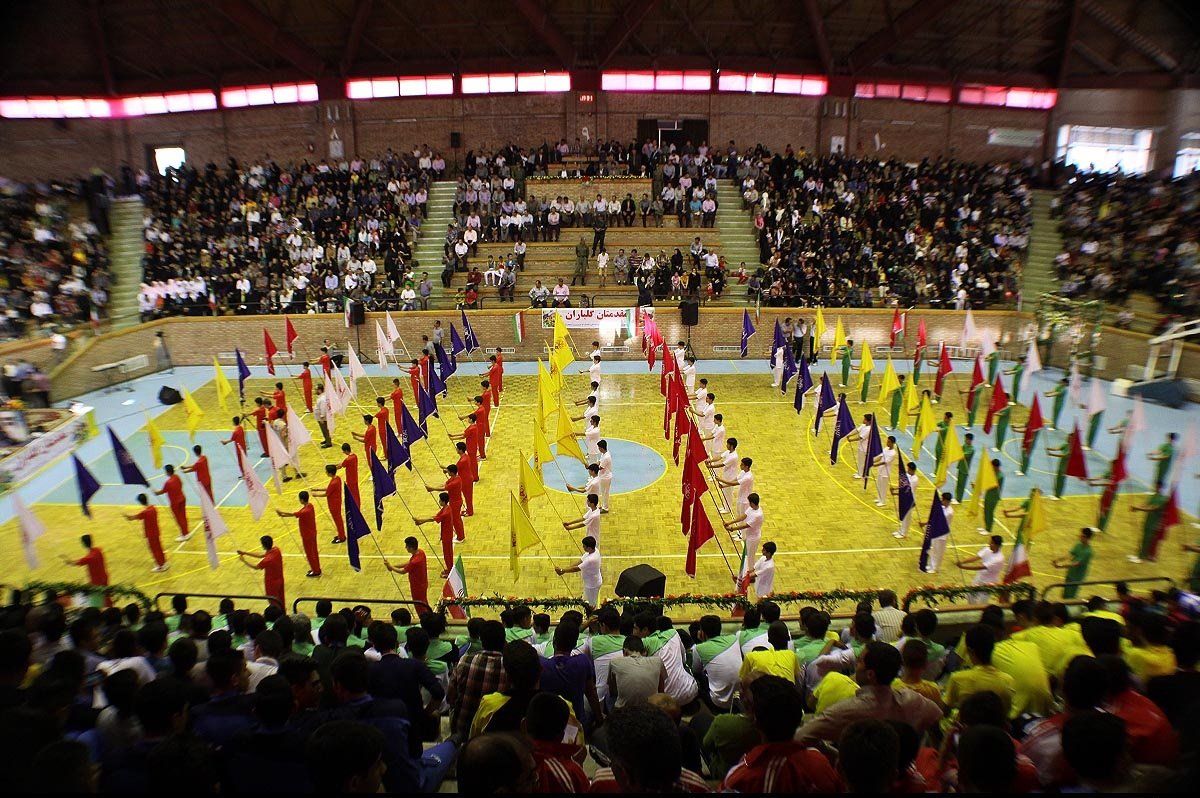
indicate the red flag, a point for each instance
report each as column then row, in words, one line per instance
column 1118, row 465
column 290, row 334
column 999, row 402
column 897, row 326
column 650, row 351
column 1170, row 518
column 455, row 610
column 647, row 339
column 682, row 425
column 668, row 366
column 701, row 533
column 1076, row 462
column 1035, row 424
column 945, row 367
column 272, row 351
column 977, row 379
column 921, row 335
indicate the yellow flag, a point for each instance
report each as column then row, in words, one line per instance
column 926, row 424
column 819, row 326
column 194, row 414
column 951, row 453
column 530, row 484
column 839, row 338
column 521, row 534
column 560, row 330
column 563, row 357
column 890, row 382
column 1035, row 516
column 866, row 365
column 156, row 441
column 224, row 390
column 985, row 480
column 541, row 449
column 912, row 399
column 565, row 437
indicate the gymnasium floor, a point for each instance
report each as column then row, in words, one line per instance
column 827, row 528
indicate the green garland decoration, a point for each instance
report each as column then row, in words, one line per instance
column 932, row 594
column 115, row 592
column 826, row 600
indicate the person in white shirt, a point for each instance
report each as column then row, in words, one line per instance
column 715, row 442
column 728, row 461
column 906, row 521
column 594, row 370
column 748, row 526
column 937, row 546
column 590, row 521
column 562, row 294
column 689, row 374
column 680, row 355
column 861, row 435
column 883, row 470
column 777, row 369
column 701, row 393
column 591, row 436
column 987, row 563
column 588, row 567
column 744, row 483
column 602, row 265
column 705, row 417
column 763, row 575
column 606, row 474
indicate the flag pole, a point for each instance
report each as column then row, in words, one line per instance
column 574, row 499
column 421, row 530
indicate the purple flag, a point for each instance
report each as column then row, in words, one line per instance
column 789, row 368
column 383, row 484
column 907, row 500
column 426, row 404
column 842, row 427
column 88, row 485
column 448, row 365
column 456, row 343
column 397, row 452
column 825, row 401
column 747, row 331
column 356, row 526
column 243, row 373
column 130, row 473
column 437, row 382
column 776, row 342
column 936, row 528
column 469, row 334
column 410, row 430
column 874, row 449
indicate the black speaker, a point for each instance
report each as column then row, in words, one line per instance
column 455, row 139
column 1171, row 393
column 641, row 581
column 689, row 311
column 358, row 313
column 169, row 396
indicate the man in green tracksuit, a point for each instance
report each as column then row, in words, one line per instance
column 897, row 402
column 943, row 426
column 1017, row 371
column 991, row 500
column 971, row 400
column 581, row 259
column 845, row 355
column 1059, row 394
column 1162, row 458
column 964, row 467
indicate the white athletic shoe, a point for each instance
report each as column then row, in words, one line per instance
column 930, row 571
column 183, row 538
column 880, row 504
column 898, row 535
column 984, row 532
column 857, row 476
column 1134, row 558
column 158, row 569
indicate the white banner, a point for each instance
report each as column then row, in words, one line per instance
column 1014, row 137
column 588, row 318
column 41, row 451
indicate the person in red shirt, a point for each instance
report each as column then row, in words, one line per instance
column 307, row 519
column 333, row 496
column 149, row 518
column 445, row 518
column 467, row 476
column 260, row 422
column 381, row 419
column 484, row 411
column 237, row 435
column 173, row 490
column 424, row 365
column 397, row 397
column 417, row 572
column 270, row 562
column 414, row 374
column 200, row 469
column 545, row 723
column 453, row 489
column 369, row 438
column 350, row 465
column 326, row 362
column 305, row 377
column 278, row 397
column 94, row 562
column 474, row 441
column 495, row 376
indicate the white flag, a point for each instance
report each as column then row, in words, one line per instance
column 344, row 392
column 256, row 491
column 1096, row 401
column 1033, row 362
column 31, row 528
column 1137, row 421
column 392, row 331
column 1187, row 450
column 357, row 372
column 1075, row 388
column 279, row 456
column 333, row 404
column 382, row 342
column 969, row 331
column 987, row 345
column 214, row 525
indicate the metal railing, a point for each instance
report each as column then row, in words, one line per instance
column 217, row 596
column 1062, row 586
column 366, row 602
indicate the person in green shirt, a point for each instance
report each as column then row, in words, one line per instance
column 1060, row 453
column 541, row 629
column 1154, row 508
column 943, row 427
column 1016, row 372
column 522, row 628
column 897, row 402
column 918, row 359
column 916, row 414
column 302, row 639
column 1076, row 562
column 1003, row 416
column 1162, row 457
column 1059, row 395
column 971, row 402
column 846, row 354
column 991, row 500
column 964, row 467
column 993, row 365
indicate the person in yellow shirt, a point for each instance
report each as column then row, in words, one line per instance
column 1021, row 661
column 778, row 661
column 914, row 658
column 1149, row 655
column 982, row 675
column 1047, row 629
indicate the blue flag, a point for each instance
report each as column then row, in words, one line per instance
column 88, row 485
column 456, row 343
column 907, row 500
column 776, row 342
column 130, row 473
column 825, row 401
column 843, row 426
column 448, row 364
column 803, row 385
column 356, row 526
column 747, row 331
column 874, row 449
column 243, row 374
column 410, row 430
column 934, row 529
column 469, row 334
column 426, row 404
column 397, row 452
column 789, row 368
column 437, row 383
column 384, row 485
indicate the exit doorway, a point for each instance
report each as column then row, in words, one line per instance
column 677, row 132
column 170, row 156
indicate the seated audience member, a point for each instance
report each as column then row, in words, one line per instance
column 868, row 751
column 646, row 755
column 346, row 756
column 497, row 763
column 475, row 676
column 982, row 675
column 1177, row 693
column 269, row 756
column 1084, row 687
column 228, row 711
column 987, row 760
column 572, row 676
column 1096, row 748
column 546, row 721
column 778, row 661
column 634, row 677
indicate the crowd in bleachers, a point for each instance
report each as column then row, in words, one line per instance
column 125, row 701
column 54, row 268
column 855, row 232
column 1125, row 233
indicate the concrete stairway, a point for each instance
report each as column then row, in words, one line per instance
column 739, row 239
column 428, row 251
column 125, row 249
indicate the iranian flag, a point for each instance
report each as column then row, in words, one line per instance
column 456, row 587
column 519, row 326
column 898, row 321
column 1018, row 561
